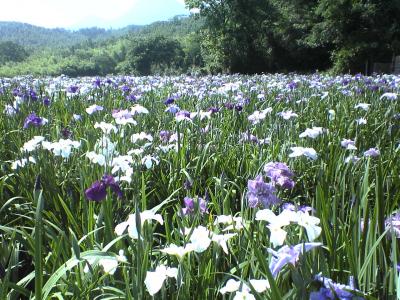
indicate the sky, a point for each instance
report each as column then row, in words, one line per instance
column 74, row 14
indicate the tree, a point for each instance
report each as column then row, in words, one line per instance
column 357, row 31
column 252, row 36
column 155, row 55
column 11, row 52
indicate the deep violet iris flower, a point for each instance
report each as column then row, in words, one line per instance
column 34, row 120
column 98, row 190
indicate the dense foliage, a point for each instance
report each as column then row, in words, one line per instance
column 11, row 52
column 253, row 36
column 232, row 36
column 98, row 54
column 243, row 187
column 35, row 37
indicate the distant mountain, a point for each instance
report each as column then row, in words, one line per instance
column 35, row 37
column 96, row 51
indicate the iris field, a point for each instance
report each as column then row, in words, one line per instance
column 218, row 187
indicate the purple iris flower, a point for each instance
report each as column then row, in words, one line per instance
column 292, row 207
column 277, row 169
column 333, row 290
column 229, row 105
column 261, row 193
column 173, row 109
column 46, row 101
column 125, row 89
column 183, row 113
column 372, row 152
column 306, row 209
column 345, row 81
column 98, row 190
column 358, row 76
column 288, row 206
column 97, row 82
column 169, row 101
column 213, row 109
column 33, row 120
column 203, row 205
column 16, row 92
column 293, row 85
column 110, row 181
column 280, row 174
column 373, row 88
column 165, row 135
column 285, row 182
column 288, row 255
column 93, row 108
column 32, row 95
column 73, row 89
column 66, row 133
column 322, row 294
column 131, row 98
column 238, row 107
column 189, row 206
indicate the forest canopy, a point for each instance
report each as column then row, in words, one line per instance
column 231, row 36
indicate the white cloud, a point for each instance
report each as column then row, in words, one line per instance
column 62, row 13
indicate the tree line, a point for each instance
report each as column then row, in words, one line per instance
column 250, row 36
column 232, row 36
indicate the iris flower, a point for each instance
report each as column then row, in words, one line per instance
column 155, row 280
column 333, row 290
column 301, row 151
column 34, row 120
column 22, row 162
column 389, row 96
column 98, row 190
column 348, row 144
column 286, row 115
column 312, row 132
column 310, row 223
column 280, row 174
column 288, row 255
column 96, row 158
column 363, row 106
column 372, row 152
column 93, row 108
column 178, row 251
column 131, row 226
column 261, row 193
column 32, row 144
column 243, row 290
column 107, row 128
column 276, row 223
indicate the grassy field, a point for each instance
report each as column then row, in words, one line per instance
column 219, row 187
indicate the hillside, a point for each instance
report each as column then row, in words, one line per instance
column 96, row 51
column 35, row 37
